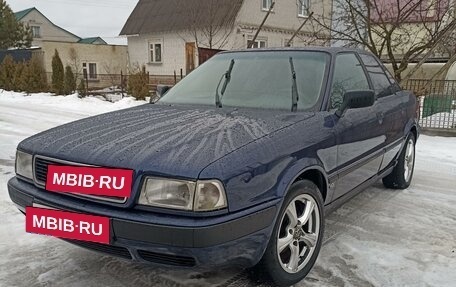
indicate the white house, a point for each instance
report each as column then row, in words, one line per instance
column 44, row 29
column 91, row 57
column 169, row 35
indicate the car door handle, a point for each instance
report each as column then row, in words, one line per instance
column 380, row 117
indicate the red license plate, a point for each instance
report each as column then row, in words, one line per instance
column 67, row 225
column 89, row 180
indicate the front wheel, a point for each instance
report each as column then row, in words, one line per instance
column 402, row 174
column 297, row 237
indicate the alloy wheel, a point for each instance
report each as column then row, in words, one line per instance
column 409, row 160
column 298, row 233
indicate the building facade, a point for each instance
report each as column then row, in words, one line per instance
column 167, row 36
column 91, row 57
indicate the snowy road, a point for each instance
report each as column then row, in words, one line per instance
column 380, row 238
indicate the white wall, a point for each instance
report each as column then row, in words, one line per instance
column 274, row 38
column 278, row 29
column 109, row 58
column 284, row 16
column 173, row 53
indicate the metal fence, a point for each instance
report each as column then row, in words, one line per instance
column 437, row 99
column 118, row 83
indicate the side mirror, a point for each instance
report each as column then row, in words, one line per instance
column 162, row 90
column 356, row 100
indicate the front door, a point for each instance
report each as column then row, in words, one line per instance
column 389, row 107
column 190, row 51
column 359, row 136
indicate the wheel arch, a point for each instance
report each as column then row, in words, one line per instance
column 316, row 176
column 414, row 131
column 412, row 126
column 314, row 173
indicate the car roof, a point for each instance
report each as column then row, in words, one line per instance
column 330, row 50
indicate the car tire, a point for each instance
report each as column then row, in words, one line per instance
column 402, row 174
column 298, row 233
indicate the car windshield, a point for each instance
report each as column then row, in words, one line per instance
column 254, row 80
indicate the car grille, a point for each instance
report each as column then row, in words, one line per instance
column 108, row 249
column 40, row 173
column 41, row 166
column 167, row 259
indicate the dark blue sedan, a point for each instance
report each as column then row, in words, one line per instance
column 237, row 164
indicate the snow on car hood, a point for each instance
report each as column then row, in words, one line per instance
column 165, row 140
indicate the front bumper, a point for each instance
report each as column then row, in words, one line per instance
column 234, row 239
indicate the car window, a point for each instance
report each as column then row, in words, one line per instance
column 380, row 81
column 257, row 80
column 348, row 76
column 394, row 85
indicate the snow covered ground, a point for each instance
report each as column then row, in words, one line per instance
column 380, row 238
column 440, row 120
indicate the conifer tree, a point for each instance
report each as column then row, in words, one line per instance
column 58, row 74
column 70, row 82
column 37, row 76
column 13, row 34
column 7, row 73
column 82, row 88
column 21, row 77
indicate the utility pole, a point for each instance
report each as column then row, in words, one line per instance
column 261, row 26
column 299, row 29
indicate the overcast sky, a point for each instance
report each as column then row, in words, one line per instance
column 85, row 18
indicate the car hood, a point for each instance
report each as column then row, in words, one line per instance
column 164, row 140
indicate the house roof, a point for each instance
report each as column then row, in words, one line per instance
column 151, row 16
column 91, row 40
column 21, row 14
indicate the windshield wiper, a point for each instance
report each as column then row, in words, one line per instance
column 294, row 88
column 227, row 77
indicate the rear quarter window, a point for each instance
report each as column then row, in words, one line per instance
column 381, row 82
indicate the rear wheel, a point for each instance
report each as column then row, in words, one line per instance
column 297, row 237
column 402, row 174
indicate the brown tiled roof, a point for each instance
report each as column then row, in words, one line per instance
column 151, row 16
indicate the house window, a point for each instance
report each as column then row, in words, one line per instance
column 36, row 31
column 257, row 44
column 90, row 71
column 266, row 4
column 155, row 51
column 303, row 8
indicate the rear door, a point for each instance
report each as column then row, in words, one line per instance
column 389, row 107
column 360, row 135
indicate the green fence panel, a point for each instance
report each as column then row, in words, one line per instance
column 434, row 104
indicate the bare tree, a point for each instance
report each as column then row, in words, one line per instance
column 212, row 22
column 313, row 35
column 397, row 31
column 75, row 63
column 252, row 43
column 217, row 31
column 112, row 71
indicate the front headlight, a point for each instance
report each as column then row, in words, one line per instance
column 185, row 195
column 24, row 164
column 209, row 195
column 166, row 193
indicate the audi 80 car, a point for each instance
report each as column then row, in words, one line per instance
column 237, row 164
